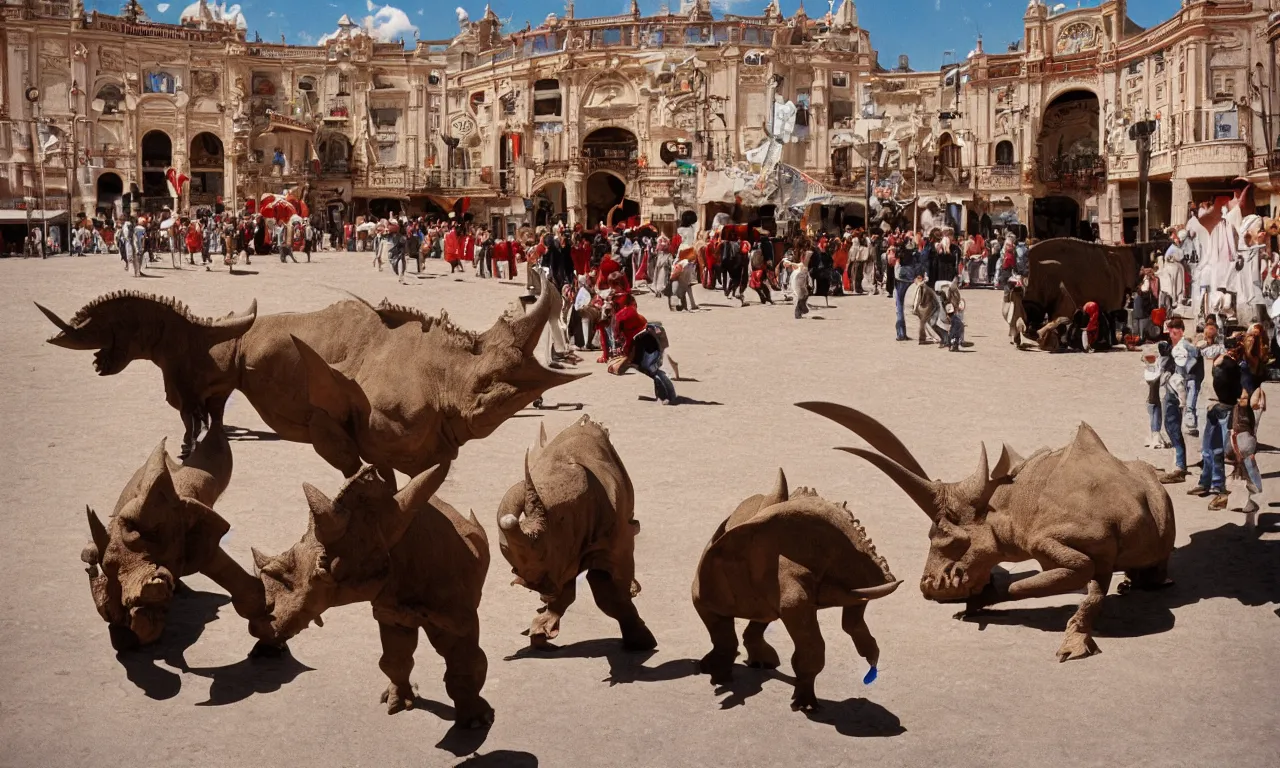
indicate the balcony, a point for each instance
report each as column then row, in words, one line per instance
column 1083, row 173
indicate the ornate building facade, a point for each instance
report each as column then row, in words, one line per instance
column 591, row 119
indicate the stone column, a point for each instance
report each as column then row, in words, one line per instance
column 1111, row 223
column 573, row 181
column 1181, row 199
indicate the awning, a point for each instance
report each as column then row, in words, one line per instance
column 17, row 216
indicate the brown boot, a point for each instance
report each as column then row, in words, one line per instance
column 1218, row 502
column 1176, row 476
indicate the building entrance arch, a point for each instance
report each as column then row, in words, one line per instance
column 207, row 158
column 549, row 204
column 606, row 196
column 110, row 191
column 1071, row 164
column 157, row 157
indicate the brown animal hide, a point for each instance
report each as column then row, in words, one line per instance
column 413, row 557
column 785, row 556
column 387, row 385
column 573, row 512
column 164, row 528
column 195, row 355
column 1079, row 511
column 1065, row 273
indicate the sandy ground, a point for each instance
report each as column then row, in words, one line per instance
column 1187, row 677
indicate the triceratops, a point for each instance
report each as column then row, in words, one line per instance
column 420, row 563
column 164, row 528
column 785, row 556
column 573, row 512
column 397, row 389
column 1078, row 511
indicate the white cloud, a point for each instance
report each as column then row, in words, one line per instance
column 305, row 37
column 369, row 5
column 421, row 11
column 162, row 7
column 389, row 24
column 271, row 14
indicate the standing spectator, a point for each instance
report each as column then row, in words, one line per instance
column 1173, row 396
column 1227, row 388
column 904, row 274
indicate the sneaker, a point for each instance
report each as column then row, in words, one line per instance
column 1198, row 490
column 1251, row 507
column 1176, row 476
column 1218, row 502
column 1192, row 431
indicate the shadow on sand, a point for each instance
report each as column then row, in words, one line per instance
column 855, row 717
column 625, row 666
column 502, row 758
column 189, row 614
column 1230, row 562
column 237, row 682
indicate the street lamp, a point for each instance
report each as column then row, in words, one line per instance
column 33, row 97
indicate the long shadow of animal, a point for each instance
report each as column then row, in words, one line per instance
column 502, row 758
column 188, row 617
column 237, row 682
column 856, row 717
column 1229, row 561
column 625, row 667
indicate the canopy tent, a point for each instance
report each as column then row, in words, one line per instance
column 19, row 216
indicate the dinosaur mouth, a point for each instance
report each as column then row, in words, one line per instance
column 953, row 584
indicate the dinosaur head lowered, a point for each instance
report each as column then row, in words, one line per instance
column 124, row 326
column 503, row 376
column 135, row 560
column 962, row 546
column 345, row 555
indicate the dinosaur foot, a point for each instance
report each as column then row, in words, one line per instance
column 1077, row 645
column 720, row 668
column 638, row 639
column 397, row 699
column 763, row 658
column 264, row 650
column 804, row 701
column 474, row 715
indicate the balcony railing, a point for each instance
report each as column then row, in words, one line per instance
column 1085, row 173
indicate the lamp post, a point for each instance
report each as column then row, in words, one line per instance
column 1140, row 132
column 33, row 97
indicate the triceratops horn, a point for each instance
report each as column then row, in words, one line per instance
column 779, row 493
column 329, row 523
column 158, row 495
column 923, row 492
column 416, row 495
column 527, row 329
column 533, row 521
column 870, row 430
column 63, row 325
column 259, row 560
column 97, row 530
column 233, row 326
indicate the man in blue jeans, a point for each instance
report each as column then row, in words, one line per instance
column 904, row 274
column 1172, row 391
column 1227, row 388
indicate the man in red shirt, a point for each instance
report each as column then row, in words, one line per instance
column 642, row 348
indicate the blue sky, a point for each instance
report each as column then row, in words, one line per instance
column 923, row 29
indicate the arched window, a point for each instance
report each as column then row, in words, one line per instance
column 1004, row 153
column 948, row 152
column 110, row 96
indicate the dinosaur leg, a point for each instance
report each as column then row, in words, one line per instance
column 613, row 597
column 332, row 442
column 398, row 645
column 465, row 668
column 1079, row 640
column 810, row 656
column 190, row 431
column 724, row 646
column 760, row 654
column 247, row 595
column 546, row 625
column 853, row 622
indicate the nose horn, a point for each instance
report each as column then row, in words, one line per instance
column 67, row 336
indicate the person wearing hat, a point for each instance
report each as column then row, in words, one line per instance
column 1173, row 277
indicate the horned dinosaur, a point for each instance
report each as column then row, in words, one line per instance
column 195, row 355
column 387, row 385
column 1078, row 511
column 785, row 556
column 162, row 529
column 574, row 512
column 413, row 557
